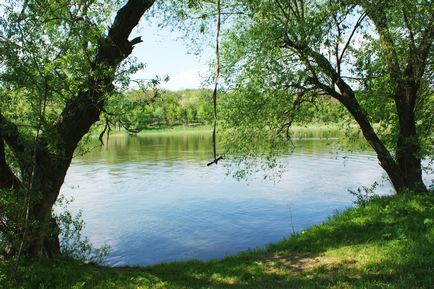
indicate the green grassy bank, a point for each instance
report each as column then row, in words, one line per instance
column 183, row 129
column 389, row 243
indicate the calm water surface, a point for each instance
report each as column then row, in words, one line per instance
column 152, row 198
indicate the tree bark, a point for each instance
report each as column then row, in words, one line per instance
column 79, row 114
column 404, row 170
column 42, row 238
column 8, row 180
column 408, row 148
column 406, row 83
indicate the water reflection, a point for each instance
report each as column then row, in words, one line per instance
column 152, row 198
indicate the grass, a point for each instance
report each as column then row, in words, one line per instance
column 388, row 243
column 182, row 129
column 177, row 129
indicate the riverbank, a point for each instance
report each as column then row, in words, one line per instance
column 389, row 243
column 181, row 129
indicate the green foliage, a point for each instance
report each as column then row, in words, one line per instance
column 72, row 242
column 140, row 109
column 387, row 243
column 364, row 194
column 10, row 220
column 47, row 50
column 282, row 60
column 48, row 56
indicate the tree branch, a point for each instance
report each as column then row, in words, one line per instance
column 10, row 134
column 410, row 31
column 346, row 98
column 323, row 64
column 378, row 17
column 85, row 108
column 423, row 50
column 7, row 177
column 357, row 25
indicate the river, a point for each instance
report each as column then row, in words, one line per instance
column 152, row 198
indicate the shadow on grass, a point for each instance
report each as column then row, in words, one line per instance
column 389, row 243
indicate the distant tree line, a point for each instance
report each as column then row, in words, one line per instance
column 139, row 110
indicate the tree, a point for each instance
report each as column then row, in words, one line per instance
column 372, row 56
column 140, row 109
column 59, row 66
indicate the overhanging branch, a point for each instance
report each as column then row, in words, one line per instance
column 10, row 134
column 7, row 177
column 378, row 17
column 84, row 109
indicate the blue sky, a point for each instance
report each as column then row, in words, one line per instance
column 164, row 53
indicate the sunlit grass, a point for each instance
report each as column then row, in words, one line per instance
column 389, row 243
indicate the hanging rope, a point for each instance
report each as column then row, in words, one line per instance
column 214, row 94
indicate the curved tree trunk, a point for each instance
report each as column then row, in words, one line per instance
column 407, row 148
column 405, row 78
column 43, row 231
column 47, row 174
column 404, row 170
column 386, row 160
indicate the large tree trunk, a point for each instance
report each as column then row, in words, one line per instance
column 45, row 175
column 408, row 147
column 75, row 121
column 405, row 170
column 405, row 78
column 386, row 160
column 42, row 237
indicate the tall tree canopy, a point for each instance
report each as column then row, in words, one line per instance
column 374, row 57
column 60, row 60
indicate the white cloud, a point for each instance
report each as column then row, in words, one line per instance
column 186, row 79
